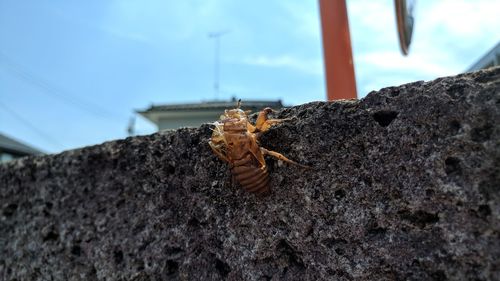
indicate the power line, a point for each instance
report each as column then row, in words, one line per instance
column 54, row 91
column 48, row 138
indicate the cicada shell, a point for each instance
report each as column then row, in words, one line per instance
column 235, row 141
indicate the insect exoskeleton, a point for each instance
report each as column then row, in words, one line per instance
column 235, row 141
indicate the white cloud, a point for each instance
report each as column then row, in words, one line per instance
column 159, row 21
column 377, row 16
column 305, row 18
column 392, row 60
column 306, row 66
column 124, row 34
column 448, row 37
column 462, row 19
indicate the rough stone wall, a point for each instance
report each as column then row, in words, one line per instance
column 405, row 185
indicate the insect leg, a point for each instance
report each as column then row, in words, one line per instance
column 271, row 122
column 262, row 118
column 281, row 157
column 217, row 152
column 251, row 128
column 263, row 124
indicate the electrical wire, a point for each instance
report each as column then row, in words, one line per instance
column 54, row 91
column 42, row 134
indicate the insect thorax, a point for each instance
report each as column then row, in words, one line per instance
column 235, row 125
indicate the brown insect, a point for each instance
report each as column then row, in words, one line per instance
column 235, row 141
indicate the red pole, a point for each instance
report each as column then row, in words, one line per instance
column 339, row 67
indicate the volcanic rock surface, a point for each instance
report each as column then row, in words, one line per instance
column 405, row 185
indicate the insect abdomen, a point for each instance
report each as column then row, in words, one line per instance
column 251, row 177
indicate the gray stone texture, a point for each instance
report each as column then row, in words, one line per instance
column 405, row 185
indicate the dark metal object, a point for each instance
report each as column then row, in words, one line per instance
column 405, row 22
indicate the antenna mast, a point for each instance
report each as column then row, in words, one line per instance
column 216, row 36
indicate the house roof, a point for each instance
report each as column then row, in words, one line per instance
column 213, row 105
column 490, row 59
column 13, row 146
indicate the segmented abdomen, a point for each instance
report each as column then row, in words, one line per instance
column 250, row 175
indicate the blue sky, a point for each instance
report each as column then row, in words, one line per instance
column 72, row 73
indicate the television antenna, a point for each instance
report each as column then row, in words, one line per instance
column 217, row 36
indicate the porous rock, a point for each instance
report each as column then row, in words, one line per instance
column 405, row 185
